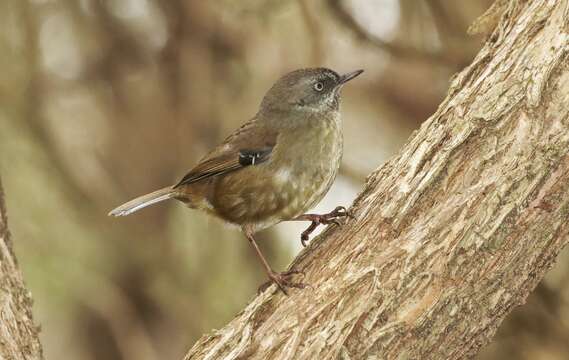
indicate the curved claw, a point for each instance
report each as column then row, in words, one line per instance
column 342, row 211
column 339, row 211
column 306, row 233
column 325, row 219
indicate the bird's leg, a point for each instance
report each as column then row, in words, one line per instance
column 323, row 219
column 283, row 279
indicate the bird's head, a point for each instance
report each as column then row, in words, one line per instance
column 310, row 90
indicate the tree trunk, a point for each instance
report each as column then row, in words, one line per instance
column 18, row 335
column 450, row 234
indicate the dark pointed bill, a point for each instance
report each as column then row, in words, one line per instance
column 349, row 76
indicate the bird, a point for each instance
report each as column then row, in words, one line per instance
column 274, row 168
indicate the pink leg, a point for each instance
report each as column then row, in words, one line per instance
column 283, row 279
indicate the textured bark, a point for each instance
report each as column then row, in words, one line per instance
column 18, row 335
column 452, row 233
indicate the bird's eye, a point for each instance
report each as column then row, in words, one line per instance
column 318, row 86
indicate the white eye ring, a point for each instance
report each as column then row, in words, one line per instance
column 319, row 86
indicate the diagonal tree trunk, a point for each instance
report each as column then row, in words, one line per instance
column 18, row 335
column 452, row 233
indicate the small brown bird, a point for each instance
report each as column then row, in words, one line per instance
column 273, row 168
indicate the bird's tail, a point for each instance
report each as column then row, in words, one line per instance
column 144, row 201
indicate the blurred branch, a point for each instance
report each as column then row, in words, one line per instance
column 126, row 325
column 120, row 49
column 401, row 51
column 445, row 24
column 353, row 174
column 19, row 337
column 35, row 121
column 170, row 56
column 317, row 50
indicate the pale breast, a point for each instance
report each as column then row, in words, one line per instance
column 300, row 172
column 325, row 162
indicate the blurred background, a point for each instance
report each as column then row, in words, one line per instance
column 104, row 100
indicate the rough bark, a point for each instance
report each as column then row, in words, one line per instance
column 452, row 233
column 18, row 335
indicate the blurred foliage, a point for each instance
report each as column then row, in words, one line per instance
column 103, row 100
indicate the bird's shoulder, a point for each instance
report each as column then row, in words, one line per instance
column 254, row 133
column 250, row 144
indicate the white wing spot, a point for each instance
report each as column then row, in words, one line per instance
column 283, row 175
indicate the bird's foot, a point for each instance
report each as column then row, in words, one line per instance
column 324, row 219
column 283, row 281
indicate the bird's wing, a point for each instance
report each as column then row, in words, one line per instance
column 249, row 145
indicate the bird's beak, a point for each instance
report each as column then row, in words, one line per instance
column 349, row 76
